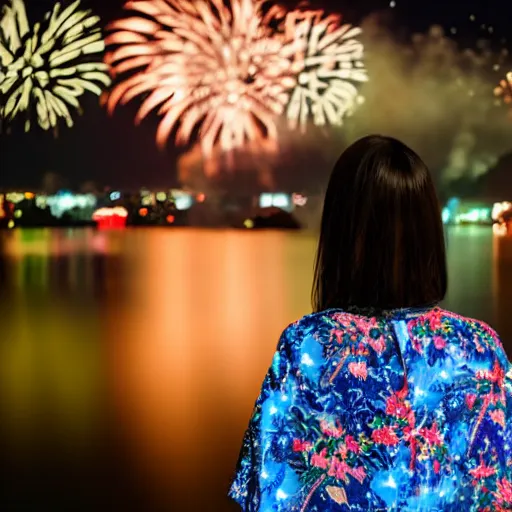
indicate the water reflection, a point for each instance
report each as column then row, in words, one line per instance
column 130, row 361
column 502, row 283
column 182, row 370
column 471, row 271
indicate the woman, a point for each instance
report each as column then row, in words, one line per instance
column 380, row 400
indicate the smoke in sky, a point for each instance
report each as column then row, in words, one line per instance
column 436, row 97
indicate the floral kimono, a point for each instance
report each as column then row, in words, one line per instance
column 410, row 410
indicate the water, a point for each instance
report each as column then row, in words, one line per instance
column 130, row 361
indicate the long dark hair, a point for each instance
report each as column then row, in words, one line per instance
column 381, row 243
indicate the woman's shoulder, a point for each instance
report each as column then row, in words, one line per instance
column 472, row 327
column 329, row 317
column 476, row 336
column 474, row 323
column 331, row 323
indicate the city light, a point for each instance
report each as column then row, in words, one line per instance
column 66, row 201
column 111, row 218
column 500, row 208
column 299, row 200
column 14, row 197
column 182, row 200
column 280, row 200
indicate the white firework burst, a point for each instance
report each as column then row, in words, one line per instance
column 47, row 66
column 206, row 66
column 330, row 67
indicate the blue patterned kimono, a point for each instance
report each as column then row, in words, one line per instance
column 410, row 410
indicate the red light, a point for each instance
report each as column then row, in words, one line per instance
column 110, row 218
column 112, row 222
column 200, row 198
column 143, row 212
column 170, row 219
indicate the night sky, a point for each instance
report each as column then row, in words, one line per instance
column 112, row 152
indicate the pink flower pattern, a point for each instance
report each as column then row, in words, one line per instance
column 409, row 399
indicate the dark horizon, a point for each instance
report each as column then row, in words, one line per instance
column 113, row 152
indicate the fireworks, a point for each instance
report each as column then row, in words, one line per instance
column 44, row 66
column 206, row 67
column 504, row 89
column 330, row 66
column 217, row 70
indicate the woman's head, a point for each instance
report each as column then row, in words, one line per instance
column 381, row 242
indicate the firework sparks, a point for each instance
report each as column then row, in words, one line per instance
column 43, row 65
column 207, row 68
column 330, row 66
column 504, row 89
